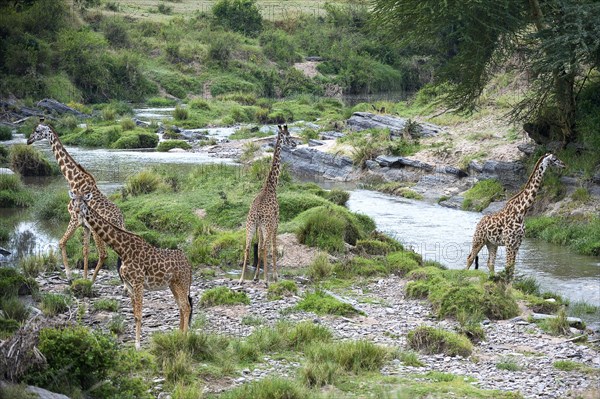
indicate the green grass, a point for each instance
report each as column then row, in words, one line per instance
column 223, row 296
column 108, row 304
column 270, row 388
column 13, row 308
column 280, row 289
column 320, row 267
column 479, row 196
column 556, row 326
column 53, row 304
column 432, row 340
column 13, row 193
column 509, row 363
column 410, row 358
column 351, row 356
column 167, row 145
column 582, row 236
column 570, row 365
column 82, row 288
column 321, row 303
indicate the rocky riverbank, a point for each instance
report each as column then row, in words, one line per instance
column 389, row 316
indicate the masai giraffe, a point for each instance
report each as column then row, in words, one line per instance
column 505, row 227
column 263, row 216
column 79, row 180
column 143, row 266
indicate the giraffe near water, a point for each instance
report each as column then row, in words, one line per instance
column 143, row 266
column 505, row 227
column 263, row 216
column 80, row 180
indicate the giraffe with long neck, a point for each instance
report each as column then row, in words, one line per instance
column 79, row 180
column 143, row 266
column 263, row 216
column 506, row 227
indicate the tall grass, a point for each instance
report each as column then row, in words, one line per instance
column 583, row 236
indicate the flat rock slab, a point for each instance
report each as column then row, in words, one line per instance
column 397, row 126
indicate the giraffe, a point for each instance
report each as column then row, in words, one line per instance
column 143, row 266
column 505, row 227
column 263, row 216
column 79, row 180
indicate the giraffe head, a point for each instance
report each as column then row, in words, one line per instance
column 285, row 137
column 41, row 132
column 80, row 205
column 552, row 160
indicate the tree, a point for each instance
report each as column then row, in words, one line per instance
column 471, row 39
column 240, row 16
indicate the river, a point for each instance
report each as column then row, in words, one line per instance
column 435, row 232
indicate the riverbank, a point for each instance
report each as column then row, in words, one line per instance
column 388, row 317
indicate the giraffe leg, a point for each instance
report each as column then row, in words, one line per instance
column 492, row 250
column 86, row 250
column 182, row 299
column 511, row 255
column 250, row 230
column 477, row 245
column 102, row 255
column 73, row 225
column 274, row 254
column 137, row 297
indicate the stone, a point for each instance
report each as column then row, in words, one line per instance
column 45, row 394
column 51, row 106
column 311, row 162
column 397, row 126
column 6, row 171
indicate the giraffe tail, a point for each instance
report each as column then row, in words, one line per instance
column 476, row 262
column 255, row 255
column 191, row 309
column 119, row 263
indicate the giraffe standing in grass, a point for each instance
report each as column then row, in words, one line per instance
column 505, row 227
column 263, row 217
column 143, row 266
column 79, row 180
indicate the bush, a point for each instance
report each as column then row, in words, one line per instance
column 136, row 139
column 13, row 308
column 431, row 341
column 241, row 16
column 223, row 296
column 5, row 133
column 482, row 194
column 279, row 289
column 180, row 113
column 53, row 304
column 320, row 267
column 12, row 283
column 145, row 182
column 82, row 288
column 165, row 146
column 12, row 192
column 401, row 263
column 321, row 303
column 76, row 359
column 28, row 161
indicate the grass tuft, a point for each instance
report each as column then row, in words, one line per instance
column 223, row 296
column 321, row 303
column 431, row 340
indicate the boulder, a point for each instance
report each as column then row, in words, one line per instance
column 454, row 202
column 399, row 162
column 6, row 171
column 315, row 143
column 397, row 126
column 53, row 106
column 311, row 162
column 330, row 135
column 511, row 175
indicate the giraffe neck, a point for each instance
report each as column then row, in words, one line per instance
column 273, row 177
column 79, row 179
column 524, row 199
column 121, row 241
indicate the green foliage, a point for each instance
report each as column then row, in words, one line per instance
column 557, row 325
column 13, row 308
column 320, row 267
column 359, row 266
column 351, row 356
column 82, row 288
column 167, row 145
column 401, row 262
column 482, row 194
column 583, row 236
column 509, row 364
column 321, row 303
column 569, row 365
column 241, row 16
column 53, row 304
column 76, row 358
column 223, row 296
column 280, row 289
column 13, row 193
column 527, row 285
column 32, row 266
column 180, row 113
column 318, row 374
column 136, row 139
column 432, row 340
column 5, row 133
column 29, row 161
column 409, row 358
column 111, row 305
column 7, row 328
column 269, row 388
column 12, row 283
column 127, row 124
column 53, row 206
column 144, row 182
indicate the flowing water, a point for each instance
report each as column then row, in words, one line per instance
column 437, row 233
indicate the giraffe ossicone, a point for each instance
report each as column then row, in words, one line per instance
column 506, row 227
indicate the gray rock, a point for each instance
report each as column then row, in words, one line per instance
column 454, row 202
column 45, row 394
column 398, row 162
column 512, row 175
column 366, row 120
column 311, row 162
column 331, row 135
column 6, row 171
column 527, row 148
column 494, row 207
column 315, row 143
column 51, row 106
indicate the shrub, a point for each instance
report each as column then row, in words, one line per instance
column 223, row 296
column 241, row 16
column 29, row 161
column 116, row 325
column 293, row 203
column 318, row 374
column 279, row 289
column 111, row 305
column 5, row 133
column 180, row 113
column 136, row 139
column 76, row 358
column 12, row 192
column 482, row 194
column 431, row 340
column 320, row 267
column 165, row 146
column 32, row 265
column 12, row 283
column 127, row 124
column 401, row 262
column 13, row 308
column 338, row 197
column 53, row 304
column 321, row 303
column 144, row 182
column 82, row 288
